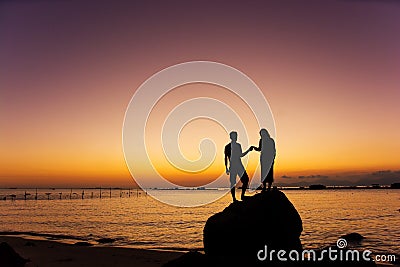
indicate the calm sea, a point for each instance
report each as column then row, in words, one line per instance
column 140, row 221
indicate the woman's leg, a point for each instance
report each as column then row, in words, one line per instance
column 270, row 176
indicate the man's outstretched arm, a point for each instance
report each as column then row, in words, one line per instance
column 245, row 153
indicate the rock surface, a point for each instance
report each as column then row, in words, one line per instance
column 243, row 228
column 353, row 237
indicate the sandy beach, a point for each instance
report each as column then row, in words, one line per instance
column 43, row 253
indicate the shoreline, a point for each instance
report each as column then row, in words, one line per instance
column 90, row 241
column 45, row 253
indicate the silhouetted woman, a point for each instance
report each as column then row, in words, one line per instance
column 267, row 157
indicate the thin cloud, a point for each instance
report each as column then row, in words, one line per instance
column 313, row 176
column 383, row 172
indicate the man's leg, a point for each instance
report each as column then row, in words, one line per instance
column 245, row 182
column 233, row 189
column 232, row 178
column 264, row 184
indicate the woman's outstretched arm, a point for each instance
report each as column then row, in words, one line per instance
column 259, row 146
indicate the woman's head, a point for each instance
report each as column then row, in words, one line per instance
column 264, row 133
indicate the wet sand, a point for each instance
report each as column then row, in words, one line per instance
column 43, row 253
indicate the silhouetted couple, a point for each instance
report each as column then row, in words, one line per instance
column 233, row 152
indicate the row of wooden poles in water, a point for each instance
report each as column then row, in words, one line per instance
column 70, row 195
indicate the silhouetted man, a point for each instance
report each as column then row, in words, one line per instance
column 233, row 152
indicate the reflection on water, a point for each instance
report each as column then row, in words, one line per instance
column 141, row 221
column 327, row 215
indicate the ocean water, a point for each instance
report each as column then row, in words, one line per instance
column 139, row 220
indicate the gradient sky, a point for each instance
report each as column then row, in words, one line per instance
column 68, row 69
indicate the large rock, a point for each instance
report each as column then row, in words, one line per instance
column 236, row 234
column 10, row 258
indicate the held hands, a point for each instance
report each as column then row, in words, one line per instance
column 247, row 151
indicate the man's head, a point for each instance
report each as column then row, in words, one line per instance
column 233, row 136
